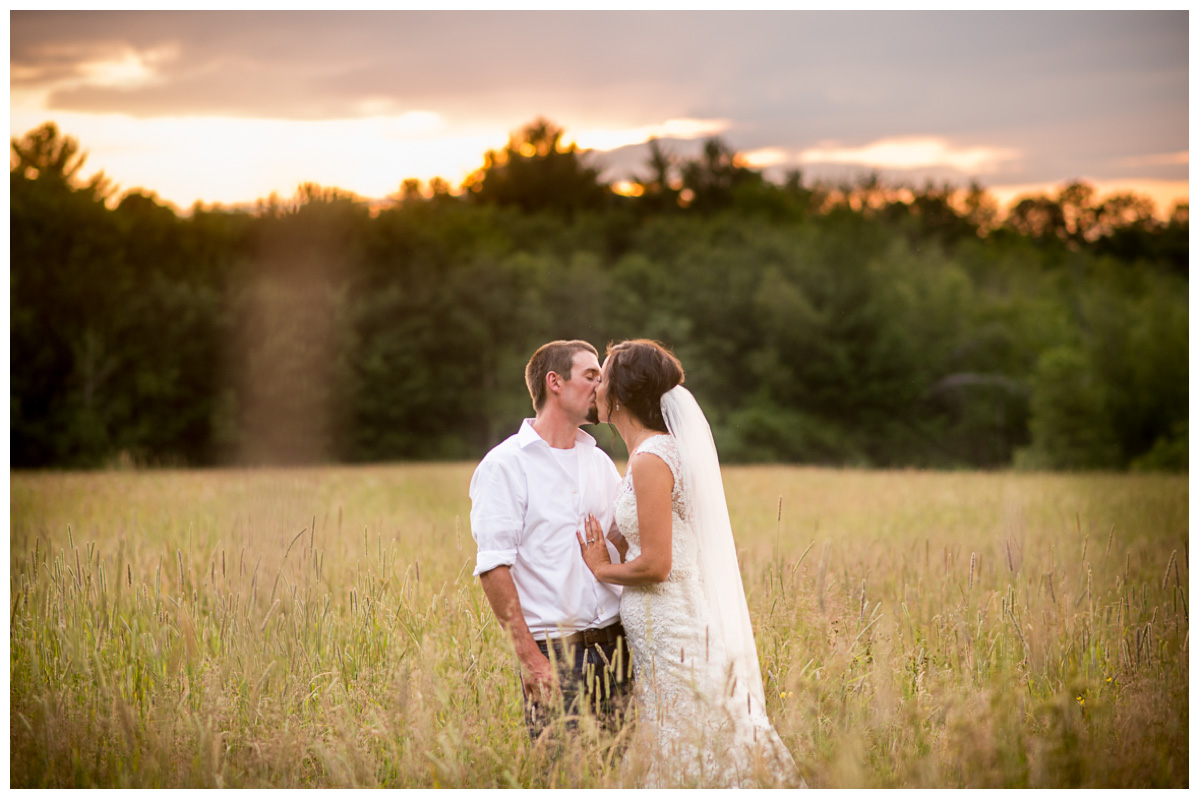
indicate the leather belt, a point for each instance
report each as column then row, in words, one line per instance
column 589, row 637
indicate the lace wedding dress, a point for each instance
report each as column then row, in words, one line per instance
column 697, row 726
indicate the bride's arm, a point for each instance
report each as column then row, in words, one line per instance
column 652, row 485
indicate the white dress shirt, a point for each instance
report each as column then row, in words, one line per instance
column 525, row 510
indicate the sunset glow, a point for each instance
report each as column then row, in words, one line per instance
column 220, row 107
column 627, row 189
column 913, row 152
column 131, row 68
column 1156, row 160
column 1164, row 194
column 767, row 157
column 234, row 161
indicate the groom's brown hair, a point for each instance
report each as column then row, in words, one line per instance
column 557, row 357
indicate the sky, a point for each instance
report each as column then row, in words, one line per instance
column 228, row 107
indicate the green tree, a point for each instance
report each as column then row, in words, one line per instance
column 64, row 270
column 711, row 180
column 659, row 192
column 287, row 350
column 43, row 154
column 1039, row 218
column 1070, row 424
column 536, row 171
column 862, row 324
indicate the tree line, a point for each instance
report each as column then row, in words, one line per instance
column 859, row 323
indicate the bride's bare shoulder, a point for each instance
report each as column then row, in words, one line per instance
column 653, row 465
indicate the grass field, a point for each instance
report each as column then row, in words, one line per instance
column 321, row 627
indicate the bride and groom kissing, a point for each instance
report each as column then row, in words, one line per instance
column 616, row 589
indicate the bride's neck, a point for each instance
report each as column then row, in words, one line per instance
column 633, row 433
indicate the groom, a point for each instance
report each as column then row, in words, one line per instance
column 529, row 497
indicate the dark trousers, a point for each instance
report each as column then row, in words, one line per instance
column 595, row 680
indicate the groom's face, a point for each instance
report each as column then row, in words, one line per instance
column 579, row 394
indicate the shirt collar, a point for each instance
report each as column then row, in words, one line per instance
column 527, row 436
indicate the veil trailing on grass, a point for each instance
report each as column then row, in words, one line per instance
column 718, row 564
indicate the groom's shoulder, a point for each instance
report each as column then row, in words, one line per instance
column 500, row 464
column 505, row 450
column 510, row 449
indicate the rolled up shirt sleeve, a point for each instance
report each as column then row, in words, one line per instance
column 497, row 514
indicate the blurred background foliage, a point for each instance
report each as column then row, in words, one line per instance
column 854, row 324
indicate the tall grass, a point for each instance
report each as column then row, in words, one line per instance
column 321, row 627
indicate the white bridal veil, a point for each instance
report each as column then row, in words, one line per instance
column 704, row 494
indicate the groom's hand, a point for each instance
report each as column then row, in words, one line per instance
column 536, row 673
column 538, row 677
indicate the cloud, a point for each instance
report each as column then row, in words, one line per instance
column 815, row 75
column 906, row 153
column 314, row 65
column 129, row 70
column 1076, row 93
column 768, row 157
column 1155, row 160
column 611, row 139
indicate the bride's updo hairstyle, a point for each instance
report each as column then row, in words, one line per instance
column 640, row 372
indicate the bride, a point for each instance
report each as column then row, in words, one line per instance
column 701, row 714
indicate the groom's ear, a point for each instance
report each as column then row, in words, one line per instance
column 554, row 382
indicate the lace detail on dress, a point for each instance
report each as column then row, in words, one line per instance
column 683, row 548
column 691, row 730
column 663, row 446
